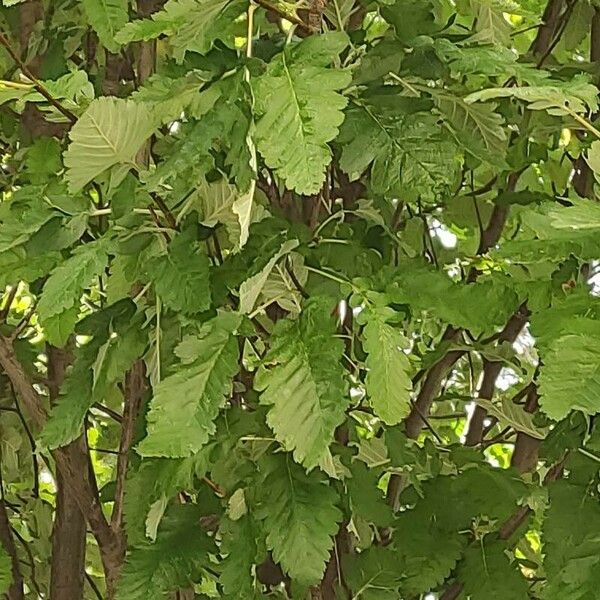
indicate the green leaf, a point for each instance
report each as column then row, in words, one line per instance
column 5, row 571
column 477, row 127
column 388, row 381
column 571, row 547
column 191, row 25
column 410, row 155
column 490, row 24
column 513, row 415
column 106, row 18
column 486, row 572
column 62, row 291
column 181, row 276
column 109, row 133
column 302, row 381
column 251, row 289
column 300, row 516
column 98, row 366
column 152, row 570
column 189, row 400
column 373, row 574
column 300, row 110
column 570, row 376
column 239, row 542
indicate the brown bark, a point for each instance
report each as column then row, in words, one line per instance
column 491, row 370
column 67, row 571
column 583, row 179
column 550, row 23
column 82, row 483
column 15, row 591
column 525, row 455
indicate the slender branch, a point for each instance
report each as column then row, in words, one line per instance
column 39, row 87
column 135, row 387
column 8, row 303
column 284, row 15
column 491, row 371
column 15, row 591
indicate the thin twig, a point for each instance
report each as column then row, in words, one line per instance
column 39, row 87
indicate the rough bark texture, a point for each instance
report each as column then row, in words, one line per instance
column 67, row 572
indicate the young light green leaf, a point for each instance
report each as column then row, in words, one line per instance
column 302, row 381
column 109, row 133
column 189, row 400
column 251, row 288
column 388, row 381
column 300, row 517
column 570, row 376
column 300, row 110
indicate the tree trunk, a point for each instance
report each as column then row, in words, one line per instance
column 67, row 570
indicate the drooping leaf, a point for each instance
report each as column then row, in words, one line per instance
column 299, row 95
column 388, row 381
column 108, row 134
column 300, row 517
column 189, row 400
column 62, row 291
column 303, row 383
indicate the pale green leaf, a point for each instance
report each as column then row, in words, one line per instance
column 300, row 517
column 251, row 288
column 191, row 25
column 63, row 289
column 513, row 415
column 570, row 376
column 300, row 110
column 302, row 381
column 189, row 400
column 388, row 371
column 109, row 133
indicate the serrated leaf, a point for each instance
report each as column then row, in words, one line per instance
column 152, row 570
column 477, row 127
column 388, row 381
column 181, row 276
column 302, row 381
column 570, row 376
column 98, row 366
column 373, row 574
column 63, row 289
column 239, row 542
column 300, row 516
column 300, row 110
column 251, row 289
column 108, row 133
column 106, row 18
column 513, row 415
column 191, row 25
column 189, row 400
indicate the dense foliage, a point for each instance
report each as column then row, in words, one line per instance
column 299, row 300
